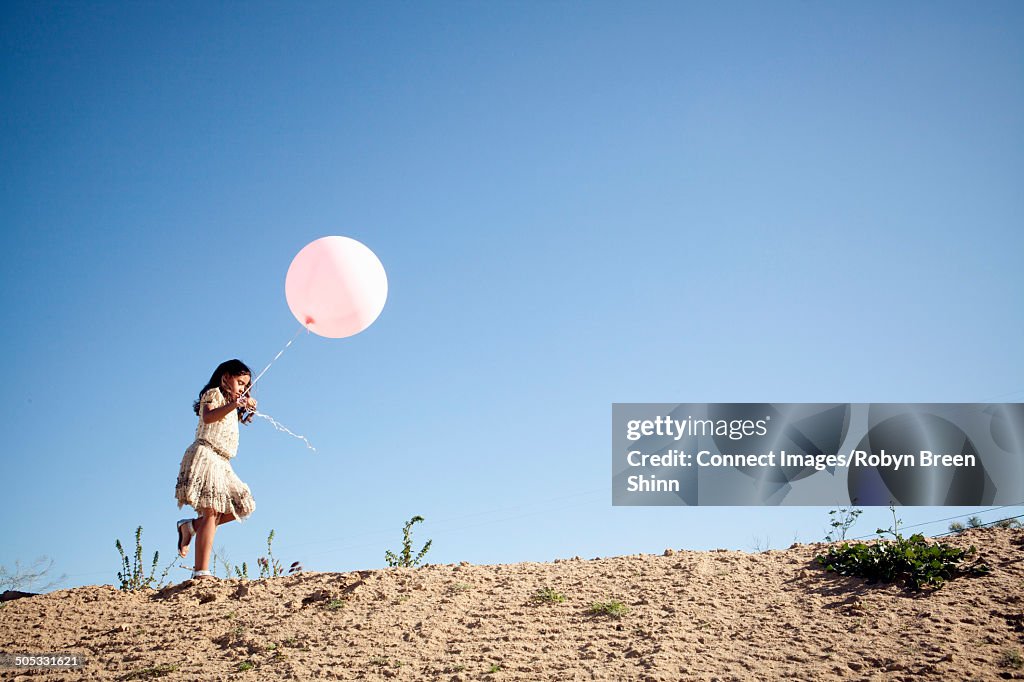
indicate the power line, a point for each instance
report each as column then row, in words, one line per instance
column 949, row 518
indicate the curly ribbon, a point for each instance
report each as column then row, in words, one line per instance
column 281, row 427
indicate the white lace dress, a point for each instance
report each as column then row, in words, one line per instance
column 205, row 478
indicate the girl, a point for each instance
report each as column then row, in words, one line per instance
column 205, row 478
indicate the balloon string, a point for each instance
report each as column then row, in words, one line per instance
column 253, row 383
column 282, row 427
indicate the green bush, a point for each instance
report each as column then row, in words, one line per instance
column 613, row 609
column 912, row 561
column 406, row 558
column 547, row 595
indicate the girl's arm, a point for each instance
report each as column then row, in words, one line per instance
column 215, row 414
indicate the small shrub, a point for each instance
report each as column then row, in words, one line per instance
column 613, row 609
column 132, row 574
column 956, row 527
column 495, row 667
column 25, row 579
column 911, row 561
column 334, row 604
column 1012, row 659
column 405, row 558
column 547, row 595
column 270, row 567
column 842, row 519
column 246, row 665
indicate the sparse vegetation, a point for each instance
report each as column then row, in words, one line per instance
column 150, row 673
column 495, row 667
column 405, row 558
column 975, row 522
column 1012, row 658
column 246, row 665
column 132, row 574
column 24, row 579
column 221, row 556
column 334, row 604
column 613, row 609
column 842, row 519
column 913, row 561
column 269, row 566
column 547, row 595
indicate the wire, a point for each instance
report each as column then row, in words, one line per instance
column 949, row 518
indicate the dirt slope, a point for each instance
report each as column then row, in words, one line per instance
column 720, row 615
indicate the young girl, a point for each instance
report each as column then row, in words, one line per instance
column 205, row 479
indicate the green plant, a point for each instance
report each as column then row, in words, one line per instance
column 495, row 667
column 547, row 595
column 269, row 566
column 842, row 519
column 246, row 665
column 334, row 604
column 132, row 574
column 1012, row 659
column 150, row 673
column 405, row 558
column 956, row 527
column 613, row 609
column 1007, row 523
column 222, row 557
column 244, row 572
column 912, row 561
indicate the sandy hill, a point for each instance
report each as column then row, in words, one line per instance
column 719, row 615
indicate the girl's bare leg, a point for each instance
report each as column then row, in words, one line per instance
column 206, row 528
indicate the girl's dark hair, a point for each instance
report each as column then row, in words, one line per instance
column 234, row 368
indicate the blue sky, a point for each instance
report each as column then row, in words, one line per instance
column 576, row 203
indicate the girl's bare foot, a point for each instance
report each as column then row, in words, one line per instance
column 185, row 533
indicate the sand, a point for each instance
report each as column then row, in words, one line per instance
column 718, row 615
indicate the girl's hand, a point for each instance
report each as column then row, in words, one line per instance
column 250, row 403
column 241, row 401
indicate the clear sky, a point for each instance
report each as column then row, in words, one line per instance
column 576, row 204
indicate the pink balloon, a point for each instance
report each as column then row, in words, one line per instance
column 336, row 287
